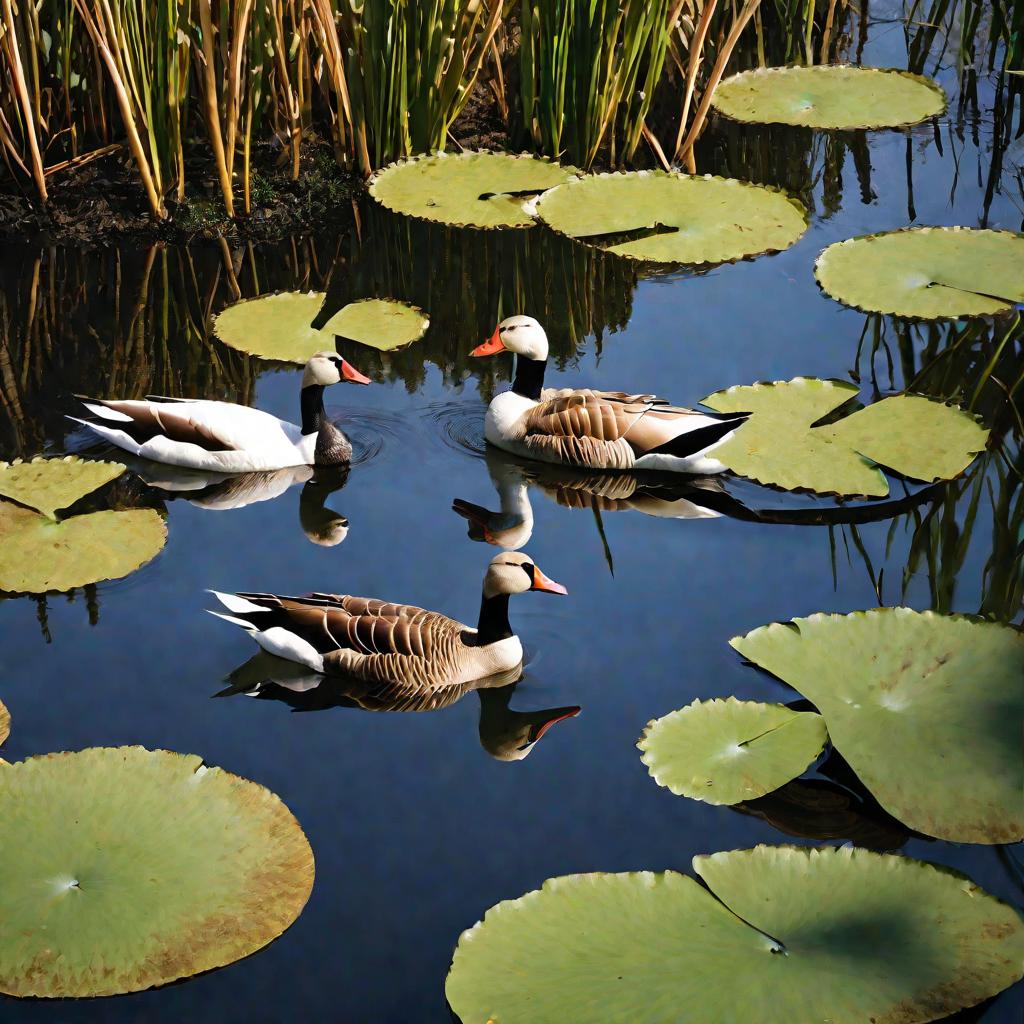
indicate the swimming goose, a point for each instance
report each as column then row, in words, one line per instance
column 399, row 645
column 230, row 438
column 605, row 430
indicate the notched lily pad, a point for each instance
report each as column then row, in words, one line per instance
column 726, row 751
column 51, row 484
column 918, row 704
column 839, row 935
column 38, row 554
column 780, row 446
column 123, row 868
column 926, row 273
column 279, row 327
column 674, row 218
column 835, row 96
column 479, row 190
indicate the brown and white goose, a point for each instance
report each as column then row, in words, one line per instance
column 229, row 438
column 401, row 645
column 605, row 430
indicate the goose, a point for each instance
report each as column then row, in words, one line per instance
column 603, row 430
column 403, row 646
column 229, row 438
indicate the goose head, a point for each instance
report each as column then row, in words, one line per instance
column 326, row 368
column 514, row 572
column 509, row 735
column 520, row 334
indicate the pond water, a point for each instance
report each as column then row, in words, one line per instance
column 416, row 828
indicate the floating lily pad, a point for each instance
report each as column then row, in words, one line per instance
column 5, row 722
column 909, row 434
column 123, row 868
column 38, row 554
column 480, row 190
column 926, row 273
column 926, row 708
column 829, row 96
column 674, row 218
column 725, row 751
column 839, row 935
column 278, row 326
column 51, row 484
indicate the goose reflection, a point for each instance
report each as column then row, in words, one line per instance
column 220, row 492
column 505, row 733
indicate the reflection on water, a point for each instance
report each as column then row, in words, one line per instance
column 505, row 733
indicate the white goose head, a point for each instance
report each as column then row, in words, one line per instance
column 514, row 572
column 326, row 368
column 520, row 334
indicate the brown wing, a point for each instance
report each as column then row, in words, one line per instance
column 151, row 419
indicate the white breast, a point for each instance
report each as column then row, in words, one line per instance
column 503, row 416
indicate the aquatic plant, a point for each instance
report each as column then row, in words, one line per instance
column 843, row 935
column 5, row 722
column 125, row 868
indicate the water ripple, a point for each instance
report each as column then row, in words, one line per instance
column 459, row 426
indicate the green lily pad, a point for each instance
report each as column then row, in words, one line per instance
column 926, row 708
column 674, row 218
column 780, row 446
column 839, row 935
column 726, row 751
column 123, row 868
column 51, row 484
column 38, row 554
column 479, row 190
column 278, row 326
column 926, row 273
column 829, row 96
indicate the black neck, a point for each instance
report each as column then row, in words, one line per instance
column 529, row 377
column 312, row 407
column 493, row 624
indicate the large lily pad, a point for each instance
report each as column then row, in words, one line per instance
column 780, row 446
column 674, row 218
column 5, row 722
column 926, row 708
column 480, row 190
column 839, row 935
column 124, row 868
column 52, row 484
column 829, row 96
column 726, row 751
column 38, row 554
column 926, row 273
column 278, row 326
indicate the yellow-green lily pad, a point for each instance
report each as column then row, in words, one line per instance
column 52, row 484
column 479, row 190
column 926, row 708
column 38, row 554
column 279, row 327
column 674, row 218
column 123, row 868
column 780, row 446
column 784, row 935
column 926, row 273
column 835, row 96
column 727, row 751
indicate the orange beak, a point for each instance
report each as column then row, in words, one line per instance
column 561, row 714
column 350, row 373
column 541, row 582
column 492, row 346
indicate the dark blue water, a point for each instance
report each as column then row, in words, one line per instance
column 415, row 828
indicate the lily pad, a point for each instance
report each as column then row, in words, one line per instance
column 726, row 751
column 5, row 722
column 278, row 326
column 926, row 273
column 829, row 96
column 123, row 868
column 780, row 446
column 51, row 484
column 479, row 190
column 839, row 935
column 38, row 554
column 674, row 218
column 926, row 708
